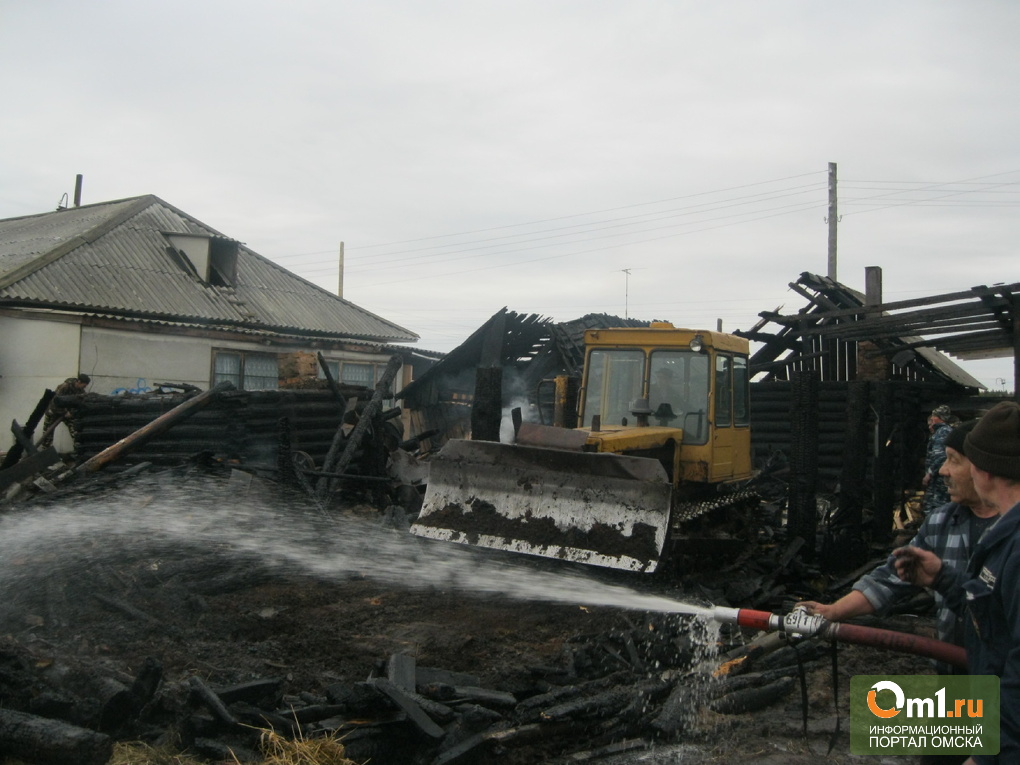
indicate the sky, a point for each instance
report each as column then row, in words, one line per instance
column 657, row 160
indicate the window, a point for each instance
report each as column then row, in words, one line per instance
column 741, row 393
column 723, row 391
column 361, row 373
column 732, row 392
column 358, row 374
column 227, row 368
column 678, row 392
column 247, row 371
column 334, row 370
column 211, row 259
column 354, row 372
column 614, row 381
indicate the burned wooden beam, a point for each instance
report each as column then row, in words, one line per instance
column 331, row 382
column 28, row 467
column 125, row 608
column 971, row 294
column 753, row 699
column 15, row 452
column 410, row 706
column 213, row 702
column 400, row 670
column 51, row 742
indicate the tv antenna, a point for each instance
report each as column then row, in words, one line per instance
column 626, row 291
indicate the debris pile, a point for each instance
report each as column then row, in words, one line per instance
column 610, row 691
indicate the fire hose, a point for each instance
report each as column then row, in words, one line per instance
column 800, row 623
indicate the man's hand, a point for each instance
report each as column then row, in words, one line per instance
column 850, row 605
column 917, row 566
column 825, row 610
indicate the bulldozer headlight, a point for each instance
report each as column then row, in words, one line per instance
column 697, row 344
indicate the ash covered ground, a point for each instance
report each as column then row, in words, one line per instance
column 237, row 584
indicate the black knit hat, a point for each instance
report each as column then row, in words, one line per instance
column 958, row 434
column 994, row 444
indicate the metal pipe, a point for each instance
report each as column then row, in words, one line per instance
column 800, row 622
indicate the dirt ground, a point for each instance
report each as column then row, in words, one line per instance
column 88, row 597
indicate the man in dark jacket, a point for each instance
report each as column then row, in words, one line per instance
column 990, row 588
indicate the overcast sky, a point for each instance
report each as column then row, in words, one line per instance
column 474, row 155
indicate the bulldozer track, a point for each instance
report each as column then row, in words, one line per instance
column 688, row 511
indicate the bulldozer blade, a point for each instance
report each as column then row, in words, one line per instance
column 596, row 508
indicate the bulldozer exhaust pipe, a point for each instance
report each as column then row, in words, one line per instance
column 800, row 622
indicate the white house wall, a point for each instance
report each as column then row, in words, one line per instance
column 34, row 355
column 39, row 353
column 133, row 362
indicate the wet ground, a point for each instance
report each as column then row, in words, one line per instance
column 111, row 578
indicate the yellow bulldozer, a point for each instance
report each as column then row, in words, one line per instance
column 663, row 439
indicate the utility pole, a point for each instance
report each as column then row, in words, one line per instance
column 832, row 220
column 626, row 293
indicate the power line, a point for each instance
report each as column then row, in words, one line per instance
column 775, row 212
column 800, row 208
column 595, row 228
column 595, row 212
column 377, row 264
column 589, row 231
column 937, row 186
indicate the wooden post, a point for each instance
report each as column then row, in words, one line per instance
column 487, row 407
column 844, row 546
column 148, row 432
column 833, row 219
column 802, row 513
column 882, row 466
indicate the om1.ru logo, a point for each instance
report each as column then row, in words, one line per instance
column 919, row 707
column 924, row 714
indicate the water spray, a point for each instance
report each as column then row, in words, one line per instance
column 802, row 624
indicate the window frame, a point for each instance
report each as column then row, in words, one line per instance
column 242, row 380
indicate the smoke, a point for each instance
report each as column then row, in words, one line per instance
column 516, row 395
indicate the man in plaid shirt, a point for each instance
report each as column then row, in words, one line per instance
column 950, row 531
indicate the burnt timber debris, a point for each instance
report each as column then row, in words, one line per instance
column 328, row 439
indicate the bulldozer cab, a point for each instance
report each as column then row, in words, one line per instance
column 691, row 381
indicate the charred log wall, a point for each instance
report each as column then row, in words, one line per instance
column 870, row 445
column 249, row 426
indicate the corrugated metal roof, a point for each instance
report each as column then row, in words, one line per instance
column 115, row 258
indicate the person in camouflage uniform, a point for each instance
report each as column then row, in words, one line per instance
column 72, row 386
column 936, row 494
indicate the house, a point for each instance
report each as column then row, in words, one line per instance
column 136, row 292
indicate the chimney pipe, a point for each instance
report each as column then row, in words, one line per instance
column 77, row 190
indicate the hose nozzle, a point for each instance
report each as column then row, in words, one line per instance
column 797, row 622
